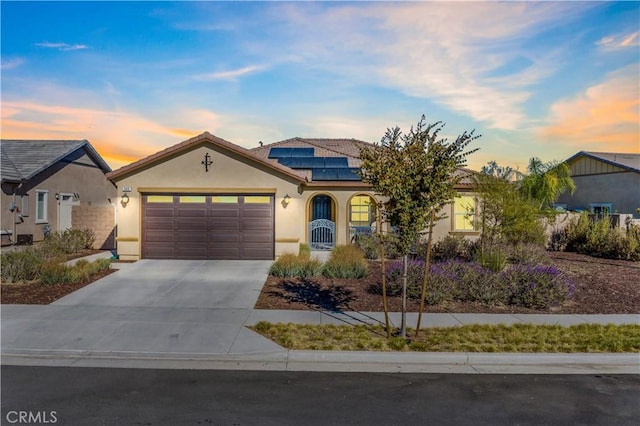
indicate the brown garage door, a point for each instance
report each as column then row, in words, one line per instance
column 207, row 226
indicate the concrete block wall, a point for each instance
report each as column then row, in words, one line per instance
column 100, row 219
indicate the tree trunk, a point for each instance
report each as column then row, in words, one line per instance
column 427, row 267
column 403, row 324
column 383, row 277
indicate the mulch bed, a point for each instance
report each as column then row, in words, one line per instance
column 39, row 294
column 603, row 286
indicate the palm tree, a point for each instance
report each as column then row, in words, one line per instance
column 546, row 181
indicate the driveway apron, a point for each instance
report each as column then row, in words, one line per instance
column 177, row 284
column 151, row 307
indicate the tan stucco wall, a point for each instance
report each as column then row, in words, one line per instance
column 231, row 173
column 81, row 176
column 228, row 173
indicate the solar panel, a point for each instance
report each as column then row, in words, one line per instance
column 278, row 152
column 348, row 174
column 324, row 174
column 314, row 162
column 335, row 162
column 345, row 173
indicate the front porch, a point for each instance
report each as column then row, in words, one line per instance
column 323, row 230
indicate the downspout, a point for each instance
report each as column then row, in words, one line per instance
column 15, row 209
column 15, row 212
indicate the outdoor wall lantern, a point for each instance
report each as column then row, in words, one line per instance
column 125, row 198
column 286, row 200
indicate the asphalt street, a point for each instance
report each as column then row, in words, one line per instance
column 101, row 396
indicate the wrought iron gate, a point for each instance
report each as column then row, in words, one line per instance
column 322, row 234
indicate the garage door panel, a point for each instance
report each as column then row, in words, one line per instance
column 224, row 238
column 224, row 225
column 192, row 213
column 159, row 250
column 257, row 253
column 191, row 237
column 159, row 212
column 250, row 211
column 208, row 227
column 190, row 225
column 156, row 223
column 257, row 226
column 225, row 251
column 224, row 213
column 265, row 238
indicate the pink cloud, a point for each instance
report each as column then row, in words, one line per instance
column 605, row 117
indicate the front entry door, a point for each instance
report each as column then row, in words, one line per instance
column 321, row 207
column 65, row 204
column 322, row 230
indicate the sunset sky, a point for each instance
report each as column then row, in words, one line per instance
column 545, row 79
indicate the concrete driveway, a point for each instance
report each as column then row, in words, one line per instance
column 148, row 308
column 177, row 284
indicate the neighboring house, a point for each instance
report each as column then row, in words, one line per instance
column 605, row 183
column 207, row 198
column 54, row 185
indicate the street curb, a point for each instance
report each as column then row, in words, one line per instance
column 339, row 361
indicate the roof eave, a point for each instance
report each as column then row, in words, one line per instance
column 205, row 137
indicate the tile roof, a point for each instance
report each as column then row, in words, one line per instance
column 23, row 159
column 349, row 148
column 629, row 161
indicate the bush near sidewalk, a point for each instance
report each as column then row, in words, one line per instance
column 33, row 263
column 346, row 262
column 290, row 265
column 530, row 286
column 596, row 237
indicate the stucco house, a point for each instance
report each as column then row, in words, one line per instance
column 207, row 198
column 54, row 185
column 606, row 182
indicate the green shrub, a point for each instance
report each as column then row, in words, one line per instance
column 536, row 286
column 22, row 265
column 527, row 254
column 369, row 244
column 58, row 273
column 440, row 287
column 346, row 262
column 450, row 247
column 493, row 258
column 415, row 274
column 291, row 265
column 598, row 238
column 70, row 241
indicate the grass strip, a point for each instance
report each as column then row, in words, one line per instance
column 526, row 338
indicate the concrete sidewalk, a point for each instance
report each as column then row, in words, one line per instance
column 213, row 338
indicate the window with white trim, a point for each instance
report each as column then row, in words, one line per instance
column 42, row 201
column 464, row 214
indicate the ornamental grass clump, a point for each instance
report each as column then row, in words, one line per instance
column 346, row 262
column 538, row 287
column 19, row 266
column 290, row 265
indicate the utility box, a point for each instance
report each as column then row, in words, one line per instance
column 25, row 239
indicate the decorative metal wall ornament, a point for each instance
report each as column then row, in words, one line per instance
column 206, row 162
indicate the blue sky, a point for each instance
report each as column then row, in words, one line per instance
column 544, row 79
